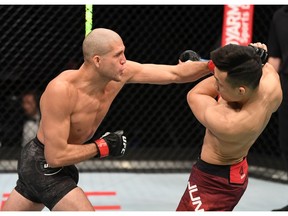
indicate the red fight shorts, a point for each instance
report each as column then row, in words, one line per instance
column 214, row 187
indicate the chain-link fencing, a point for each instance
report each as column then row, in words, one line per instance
column 40, row 41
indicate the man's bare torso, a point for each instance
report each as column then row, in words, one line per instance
column 233, row 144
column 88, row 109
column 243, row 126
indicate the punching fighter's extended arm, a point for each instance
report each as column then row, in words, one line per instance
column 187, row 71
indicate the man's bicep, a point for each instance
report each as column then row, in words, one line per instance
column 150, row 73
column 55, row 119
column 55, row 128
column 275, row 62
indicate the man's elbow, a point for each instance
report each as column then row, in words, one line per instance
column 53, row 163
column 53, row 160
column 190, row 97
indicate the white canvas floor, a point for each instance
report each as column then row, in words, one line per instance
column 157, row 192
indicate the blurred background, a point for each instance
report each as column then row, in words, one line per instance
column 40, row 41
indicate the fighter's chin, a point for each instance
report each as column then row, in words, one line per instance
column 118, row 79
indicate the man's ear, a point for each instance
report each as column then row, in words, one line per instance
column 96, row 60
column 242, row 90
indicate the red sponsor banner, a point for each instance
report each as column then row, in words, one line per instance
column 237, row 24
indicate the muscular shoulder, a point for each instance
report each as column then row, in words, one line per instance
column 268, row 69
column 59, row 91
column 60, row 86
column 131, row 68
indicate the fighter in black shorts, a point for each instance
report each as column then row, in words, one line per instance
column 72, row 107
column 40, row 183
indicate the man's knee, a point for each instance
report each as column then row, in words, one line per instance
column 75, row 200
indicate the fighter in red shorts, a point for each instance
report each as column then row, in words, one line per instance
column 250, row 92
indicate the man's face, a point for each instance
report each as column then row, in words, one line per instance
column 113, row 63
column 29, row 105
column 224, row 88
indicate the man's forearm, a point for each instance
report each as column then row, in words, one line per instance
column 191, row 71
column 206, row 87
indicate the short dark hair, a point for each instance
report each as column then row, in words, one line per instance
column 243, row 65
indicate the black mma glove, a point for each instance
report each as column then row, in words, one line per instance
column 189, row 55
column 193, row 56
column 262, row 53
column 111, row 144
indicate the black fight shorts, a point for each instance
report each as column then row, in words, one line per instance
column 40, row 183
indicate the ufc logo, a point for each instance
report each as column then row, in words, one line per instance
column 124, row 140
column 196, row 200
